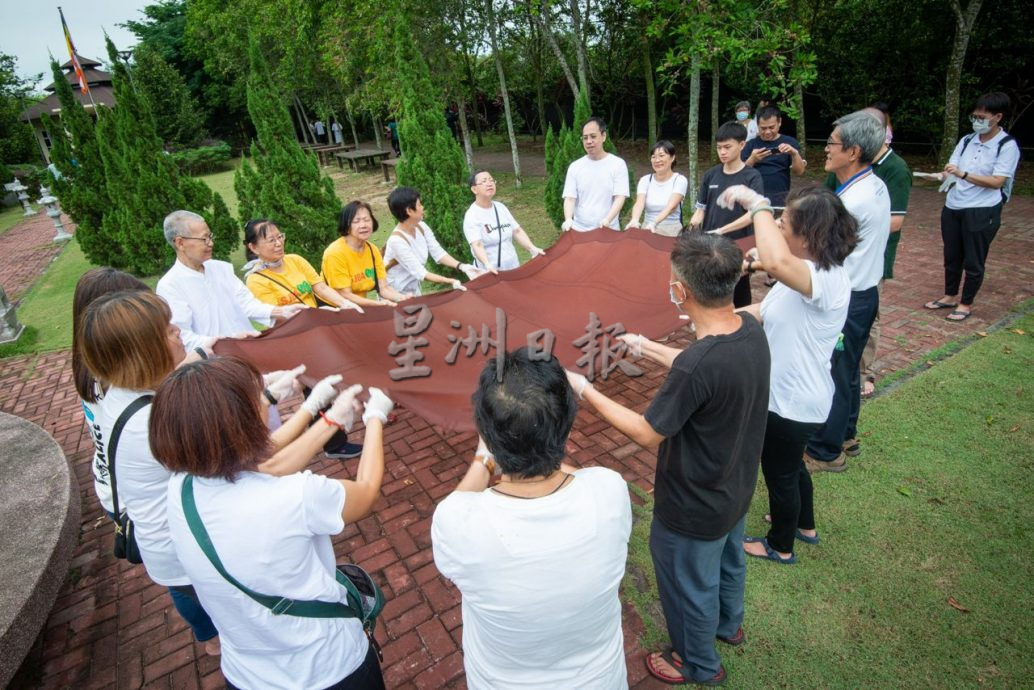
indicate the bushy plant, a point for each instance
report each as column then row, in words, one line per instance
column 202, row 159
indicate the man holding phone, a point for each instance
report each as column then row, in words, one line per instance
column 774, row 155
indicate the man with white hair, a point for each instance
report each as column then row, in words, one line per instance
column 207, row 300
column 850, row 151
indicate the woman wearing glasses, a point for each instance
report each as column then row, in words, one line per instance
column 278, row 278
column 660, row 194
column 491, row 229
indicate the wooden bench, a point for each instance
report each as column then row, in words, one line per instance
column 387, row 166
column 324, row 153
column 353, row 157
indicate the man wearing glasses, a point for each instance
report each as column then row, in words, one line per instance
column 774, row 155
column 596, row 185
column 207, row 300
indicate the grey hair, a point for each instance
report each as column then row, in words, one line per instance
column 177, row 224
column 863, row 130
column 742, row 104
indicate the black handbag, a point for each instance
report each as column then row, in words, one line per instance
column 125, row 533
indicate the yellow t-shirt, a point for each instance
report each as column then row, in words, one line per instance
column 292, row 286
column 344, row 267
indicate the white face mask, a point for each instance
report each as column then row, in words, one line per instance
column 981, row 125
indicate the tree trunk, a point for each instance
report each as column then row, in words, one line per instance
column 465, row 132
column 964, row 22
column 536, row 63
column 651, row 92
column 579, row 52
column 716, row 81
column 490, row 7
column 802, row 130
column 351, row 123
column 377, row 127
column 306, row 134
column 305, row 120
column 692, row 130
column 543, row 19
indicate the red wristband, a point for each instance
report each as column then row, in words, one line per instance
column 331, row 422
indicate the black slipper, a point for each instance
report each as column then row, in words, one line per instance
column 938, row 304
column 958, row 315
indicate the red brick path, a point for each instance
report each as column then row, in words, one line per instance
column 111, row 627
column 28, row 248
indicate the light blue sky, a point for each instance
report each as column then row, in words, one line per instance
column 28, row 28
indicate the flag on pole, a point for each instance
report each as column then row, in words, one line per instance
column 75, row 58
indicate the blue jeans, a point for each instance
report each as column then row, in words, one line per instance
column 184, row 598
column 701, row 587
column 828, row 442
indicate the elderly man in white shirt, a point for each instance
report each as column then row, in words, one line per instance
column 596, row 185
column 207, row 300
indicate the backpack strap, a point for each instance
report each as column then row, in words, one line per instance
column 287, row 288
column 277, row 605
column 498, row 229
column 116, row 433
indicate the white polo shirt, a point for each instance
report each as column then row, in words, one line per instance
column 867, row 199
column 981, row 158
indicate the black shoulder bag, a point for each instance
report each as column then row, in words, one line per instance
column 125, row 533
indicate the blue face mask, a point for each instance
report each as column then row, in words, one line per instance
column 741, row 115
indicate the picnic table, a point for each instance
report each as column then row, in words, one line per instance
column 353, row 157
column 323, row 153
column 387, row 165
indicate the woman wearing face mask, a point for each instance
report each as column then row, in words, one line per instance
column 744, row 118
column 984, row 166
column 660, row 194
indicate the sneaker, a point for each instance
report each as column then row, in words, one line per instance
column 852, row 447
column 345, row 451
column 837, row 465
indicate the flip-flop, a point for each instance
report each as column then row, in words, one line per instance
column 938, row 304
column 958, row 315
column 770, row 553
column 660, row 675
column 801, row 536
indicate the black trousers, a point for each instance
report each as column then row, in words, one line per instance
column 967, row 234
column 790, row 494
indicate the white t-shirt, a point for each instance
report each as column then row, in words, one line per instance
column 273, row 535
column 802, row 333
column 980, row 158
column 658, row 194
column 595, row 184
column 539, row 580
column 210, row 303
column 480, row 225
column 142, row 483
column 101, row 485
column 411, row 254
column 866, row 198
column 752, row 129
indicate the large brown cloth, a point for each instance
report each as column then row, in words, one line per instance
column 622, row 277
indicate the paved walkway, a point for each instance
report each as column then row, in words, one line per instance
column 112, row 628
column 28, row 248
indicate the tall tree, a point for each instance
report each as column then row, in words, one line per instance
column 282, row 181
column 542, row 16
column 579, row 51
column 17, row 142
column 965, row 20
column 562, row 149
column 490, row 8
column 432, row 161
column 181, row 123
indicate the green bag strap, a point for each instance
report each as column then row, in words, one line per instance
column 278, row 605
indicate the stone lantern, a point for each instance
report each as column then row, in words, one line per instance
column 21, row 190
column 54, row 212
column 10, row 329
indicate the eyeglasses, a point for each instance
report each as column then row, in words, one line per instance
column 830, row 142
column 207, row 239
column 277, row 239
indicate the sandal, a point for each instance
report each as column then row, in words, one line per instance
column 770, row 553
column 958, row 315
column 801, row 536
column 668, row 655
column 938, row 304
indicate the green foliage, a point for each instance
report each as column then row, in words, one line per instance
column 17, row 142
column 282, row 182
column 563, row 149
column 82, row 188
column 180, row 124
column 203, row 159
column 432, row 161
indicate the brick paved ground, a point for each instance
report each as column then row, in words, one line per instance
column 111, row 627
column 28, row 248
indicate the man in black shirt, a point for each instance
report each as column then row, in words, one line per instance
column 774, row 155
column 708, row 419
column 709, row 216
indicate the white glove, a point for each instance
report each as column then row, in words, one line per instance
column 342, row 412
column 634, row 342
column 742, row 195
column 578, row 382
column 536, row 251
column 322, row 394
column 470, row 271
column 567, row 225
column 483, row 452
column 377, row 407
column 283, row 384
column 457, row 285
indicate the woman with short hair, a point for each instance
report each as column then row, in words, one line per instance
column 490, row 228
column 352, row 265
column 659, row 195
column 803, row 316
column 272, row 534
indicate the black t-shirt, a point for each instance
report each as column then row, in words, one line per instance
column 714, row 182
column 775, row 169
column 712, row 410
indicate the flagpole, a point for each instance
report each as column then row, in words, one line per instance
column 76, row 67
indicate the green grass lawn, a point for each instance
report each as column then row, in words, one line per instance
column 9, row 217
column 924, row 575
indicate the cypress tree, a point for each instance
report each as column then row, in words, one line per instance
column 180, row 123
column 81, row 188
column 432, row 161
column 282, row 182
column 144, row 184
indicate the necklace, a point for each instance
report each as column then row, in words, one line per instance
column 559, row 486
